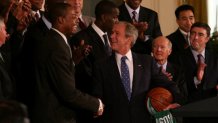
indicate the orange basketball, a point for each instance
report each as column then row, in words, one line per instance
column 160, row 98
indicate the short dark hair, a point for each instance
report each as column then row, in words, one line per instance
column 202, row 25
column 184, row 7
column 58, row 10
column 104, row 7
column 12, row 112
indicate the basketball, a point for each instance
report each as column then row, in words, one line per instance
column 159, row 98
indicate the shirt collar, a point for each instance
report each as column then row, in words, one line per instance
column 164, row 65
column 98, row 30
column 195, row 54
column 34, row 12
column 47, row 23
column 183, row 32
column 128, row 55
column 130, row 10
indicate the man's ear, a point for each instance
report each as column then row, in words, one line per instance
column 170, row 51
column 103, row 17
column 207, row 38
column 60, row 20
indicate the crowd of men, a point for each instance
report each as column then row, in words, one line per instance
column 66, row 67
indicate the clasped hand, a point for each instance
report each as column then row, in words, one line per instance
column 142, row 27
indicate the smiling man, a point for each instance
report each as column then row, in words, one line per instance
column 185, row 17
column 123, row 79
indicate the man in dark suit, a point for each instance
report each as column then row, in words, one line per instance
column 204, row 85
column 146, row 21
column 55, row 97
column 123, row 79
column 33, row 37
column 184, row 18
column 106, row 15
column 201, row 67
column 161, row 49
column 7, row 84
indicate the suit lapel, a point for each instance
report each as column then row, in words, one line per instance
column 62, row 42
column 125, row 12
column 169, row 68
column 191, row 59
column 181, row 40
column 207, row 59
column 96, row 38
column 137, row 73
column 117, row 81
column 143, row 16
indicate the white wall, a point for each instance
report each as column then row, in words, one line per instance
column 165, row 10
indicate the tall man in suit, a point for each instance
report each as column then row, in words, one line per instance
column 123, row 79
column 185, row 18
column 106, row 15
column 55, row 97
column 201, row 67
column 146, row 21
column 161, row 49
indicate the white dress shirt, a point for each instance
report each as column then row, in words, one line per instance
column 129, row 63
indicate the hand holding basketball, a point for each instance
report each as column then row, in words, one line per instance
column 160, row 98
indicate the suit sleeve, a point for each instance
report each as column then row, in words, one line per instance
column 61, row 75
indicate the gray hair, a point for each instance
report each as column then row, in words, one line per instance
column 162, row 38
column 130, row 31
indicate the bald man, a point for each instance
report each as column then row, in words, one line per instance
column 161, row 49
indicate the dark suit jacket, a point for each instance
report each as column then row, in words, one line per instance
column 179, row 44
column 178, row 77
column 33, row 37
column 7, row 84
column 210, row 78
column 55, row 96
column 153, row 30
column 108, row 86
column 88, row 20
column 84, row 70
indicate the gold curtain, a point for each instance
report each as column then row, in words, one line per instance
column 200, row 7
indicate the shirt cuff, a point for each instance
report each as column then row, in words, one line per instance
column 146, row 38
column 196, row 81
column 101, row 106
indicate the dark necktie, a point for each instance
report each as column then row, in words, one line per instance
column 134, row 16
column 201, row 67
column 36, row 17
column 81, row 24
column 125, row 76
column 106, row 45
column 186, row 45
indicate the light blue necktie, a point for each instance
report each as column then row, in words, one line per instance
column 125, row 76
